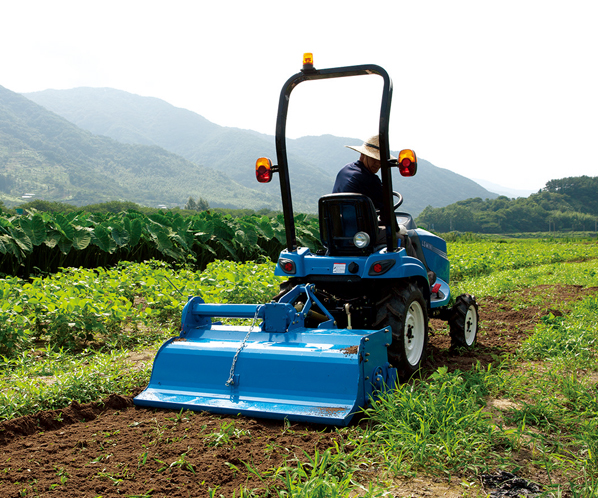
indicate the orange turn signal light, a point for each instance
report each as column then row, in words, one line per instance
column 263, row 170
column 407, row 162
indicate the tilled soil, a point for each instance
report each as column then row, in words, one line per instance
column 504, row 325
column 115, row 449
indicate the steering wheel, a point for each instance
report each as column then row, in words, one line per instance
column 400, row 200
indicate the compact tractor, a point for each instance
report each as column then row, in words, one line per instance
column 351, row 319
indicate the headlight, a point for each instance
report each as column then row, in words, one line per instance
column 361, row 240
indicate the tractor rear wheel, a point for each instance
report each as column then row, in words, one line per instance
column 464, row 322
column 404, row 310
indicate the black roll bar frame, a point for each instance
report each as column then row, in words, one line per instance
column 308, row 74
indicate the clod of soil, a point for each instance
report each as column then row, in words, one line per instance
column 505, row 484
column 350, row 350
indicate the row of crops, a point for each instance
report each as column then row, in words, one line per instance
column 75, row 306
column 43, row 242
column 478, row 258
column 78, row 308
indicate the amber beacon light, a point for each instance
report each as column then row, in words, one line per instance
column 308, row 60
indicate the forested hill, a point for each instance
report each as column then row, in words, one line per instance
column 581, row 192
column 44, row 154
column 313, row 161
column 565, row 204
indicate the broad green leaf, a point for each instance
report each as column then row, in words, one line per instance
column 52, row 238
column 266, row 227
column 120, row 236
column 35, row 228
column 251, row 235
column 182, row 242
column 5, row 244
column 133, row 226
column 222, row 229
column 206, row 247
column 101, row 238
column 202, row 236
column 175, row 253
column 65, row 245
column 160, row 219
column 241, row 239
column 82, row 239
column 162, row 240
column 229, row 247
column 64, row 226
column 21, row 239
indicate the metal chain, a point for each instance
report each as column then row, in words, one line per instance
column 230, row 380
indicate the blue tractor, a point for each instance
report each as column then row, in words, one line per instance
column 351, row 319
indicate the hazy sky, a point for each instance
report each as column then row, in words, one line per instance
column 503, row 91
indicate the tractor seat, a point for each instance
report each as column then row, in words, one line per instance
column 341, row 217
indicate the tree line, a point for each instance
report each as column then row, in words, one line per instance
column 568, row 204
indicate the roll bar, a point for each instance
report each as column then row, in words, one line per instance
column 309, row 73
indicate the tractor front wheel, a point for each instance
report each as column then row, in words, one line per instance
column 404, row 311
column 464, row 322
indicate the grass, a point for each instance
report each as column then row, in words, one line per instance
column 46, row 380
column 334, row 472
column 571, row 336
column 225, row 435
column 438, row 424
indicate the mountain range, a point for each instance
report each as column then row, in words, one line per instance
column 89, row 145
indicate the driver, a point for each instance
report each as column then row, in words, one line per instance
column 360, row 176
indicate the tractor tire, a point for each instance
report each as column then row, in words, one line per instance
column 404, row 310
column 464, row 322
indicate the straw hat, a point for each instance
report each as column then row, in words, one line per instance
column 371, row 148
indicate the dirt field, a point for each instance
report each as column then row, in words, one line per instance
column 115, row 449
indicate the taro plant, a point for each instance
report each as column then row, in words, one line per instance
column 36, row 242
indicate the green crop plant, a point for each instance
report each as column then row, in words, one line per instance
column 502, row 282
column 183, row 463
column 35, row 242
column 329, row 473
column 476, row 259
column 76, row 307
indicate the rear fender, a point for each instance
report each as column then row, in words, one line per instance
column 297, row 257
column 405, row 267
